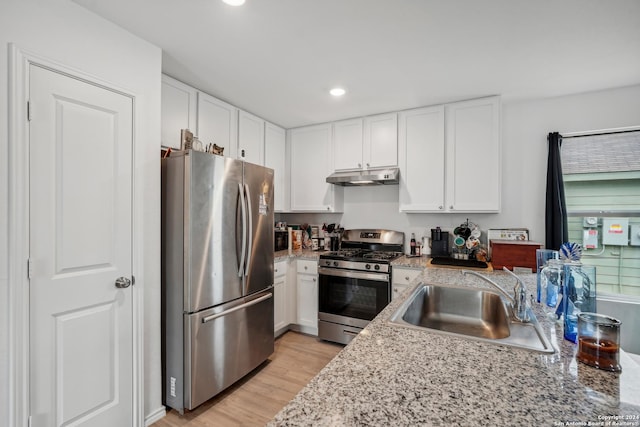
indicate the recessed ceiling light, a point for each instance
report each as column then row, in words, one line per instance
column 234, row 2
column 337, row 91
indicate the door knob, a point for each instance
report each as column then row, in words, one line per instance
column 123, row 282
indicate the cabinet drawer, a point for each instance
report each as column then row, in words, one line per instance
column 307, row 266
column 280, row 268
column 404, row 276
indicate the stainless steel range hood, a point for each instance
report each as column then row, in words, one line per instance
column 386, row 176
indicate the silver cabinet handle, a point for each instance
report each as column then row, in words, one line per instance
column 451, row 207
column 314, row 279
column 305, row 267
column 123, row 282
column 440, row 207
column 406, row 278
column 359, row 165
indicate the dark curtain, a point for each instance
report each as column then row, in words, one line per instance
column 556, row 232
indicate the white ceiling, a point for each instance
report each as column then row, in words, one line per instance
column 278, row 58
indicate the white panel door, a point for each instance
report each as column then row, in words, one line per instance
column 275, row 158
column 178, row 110
column 251, row 138
column 473, row 155
column 347, row 144
column 422, row 162
column 381, row 140
column 218, row 124
column 80, row 227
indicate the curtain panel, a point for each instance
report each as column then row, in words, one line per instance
column 556, row 229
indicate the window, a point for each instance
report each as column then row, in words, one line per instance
column 601, row 173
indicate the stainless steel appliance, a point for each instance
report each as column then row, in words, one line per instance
column 280, row 240
column 217, row 273
column 355, row 282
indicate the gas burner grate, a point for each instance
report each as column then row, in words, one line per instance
column 381, row 255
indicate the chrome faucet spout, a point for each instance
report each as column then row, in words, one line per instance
column 518, row 302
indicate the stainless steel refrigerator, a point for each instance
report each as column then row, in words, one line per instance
column 217, row 273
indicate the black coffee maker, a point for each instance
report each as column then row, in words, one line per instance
column 439, row 243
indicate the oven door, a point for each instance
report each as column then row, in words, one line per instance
column 351, row 298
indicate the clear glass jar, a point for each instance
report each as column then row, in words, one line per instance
column 599, row 341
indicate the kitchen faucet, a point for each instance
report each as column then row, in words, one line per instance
column 518, row 301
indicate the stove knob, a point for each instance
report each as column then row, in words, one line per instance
column 368, row 266
column 335, row 263
column 377, row 267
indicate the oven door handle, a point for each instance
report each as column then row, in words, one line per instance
column 378, row 277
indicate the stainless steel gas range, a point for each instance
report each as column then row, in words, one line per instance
column 355, row 282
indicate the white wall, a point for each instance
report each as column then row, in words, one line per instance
column 68, row 34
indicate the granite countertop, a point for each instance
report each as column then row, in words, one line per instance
column 394, row 375
column 303, row 254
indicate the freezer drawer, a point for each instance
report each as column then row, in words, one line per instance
column 223, row 344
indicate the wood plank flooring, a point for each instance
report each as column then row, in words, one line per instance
column 257, row 398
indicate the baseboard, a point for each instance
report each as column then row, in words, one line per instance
column 154, row 416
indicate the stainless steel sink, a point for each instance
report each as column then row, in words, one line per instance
column 471, row 313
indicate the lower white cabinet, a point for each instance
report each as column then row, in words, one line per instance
column 280, row 291
column 401, row 279
column 307, row 296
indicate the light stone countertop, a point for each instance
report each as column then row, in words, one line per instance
column 398, row 376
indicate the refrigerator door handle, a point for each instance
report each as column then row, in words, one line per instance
column 250, row 234
column 236, row 308
column 241, row 267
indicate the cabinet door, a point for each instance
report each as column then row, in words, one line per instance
column 422, row 149
column 250, row 138
column 274, row 158
column 308, row 301
column 381, row 141
column 279, row 303
column 178, row 110
column 310, row 149
column 347, row 144
column 218, row 124
column 473, row 155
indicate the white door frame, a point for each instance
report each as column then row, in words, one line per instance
column 18, row 244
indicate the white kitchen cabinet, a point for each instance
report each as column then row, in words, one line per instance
column 347, row 142
column 421, row 160
column 250, row 138
column 275, row 158
column 380, row 141
column 178, row 106
column 217, row 124
column 473, row 155
column 450, row 157
column 310, row 164
column 401, row 279
column 307, row 296
column 280, row 291
column 366, row 143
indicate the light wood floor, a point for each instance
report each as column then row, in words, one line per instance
column 258, row 397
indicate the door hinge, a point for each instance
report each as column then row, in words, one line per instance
column 28, row 111
column 29, row 268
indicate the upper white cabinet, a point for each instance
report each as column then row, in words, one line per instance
column 450, row 157
column 421, row 155
column 366, row 143
column 274, row 158
column 473, row 155
column 380, row 141
column 178, row 110
column 218, row 124
column 250, row 138
column 310, row 149
column 347, row 144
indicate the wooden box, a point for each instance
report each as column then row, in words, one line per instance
column 514, row 253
